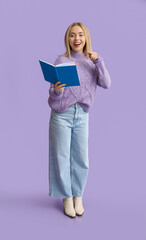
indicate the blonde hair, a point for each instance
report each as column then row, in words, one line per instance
column 87, row 47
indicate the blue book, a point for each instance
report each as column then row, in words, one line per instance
column 64, row 72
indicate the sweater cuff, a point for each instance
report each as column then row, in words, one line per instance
column 99, row 59
column 57, row 92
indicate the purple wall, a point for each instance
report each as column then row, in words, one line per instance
column 115, row 196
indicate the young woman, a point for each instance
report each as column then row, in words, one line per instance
column 69, row 119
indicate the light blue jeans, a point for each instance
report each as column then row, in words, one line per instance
column 68, row 152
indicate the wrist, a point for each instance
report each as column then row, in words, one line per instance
column 57, row 92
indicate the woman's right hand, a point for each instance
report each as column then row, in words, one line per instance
column 60, row 87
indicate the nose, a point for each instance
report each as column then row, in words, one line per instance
column 76, row 37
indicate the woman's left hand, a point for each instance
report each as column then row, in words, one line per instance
column 93, row 55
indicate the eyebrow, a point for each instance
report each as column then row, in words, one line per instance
column 74, row 33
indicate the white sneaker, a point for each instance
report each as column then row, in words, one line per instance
column 78, row 206
column 68, row 207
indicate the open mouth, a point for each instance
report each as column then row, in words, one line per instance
column 77, row 44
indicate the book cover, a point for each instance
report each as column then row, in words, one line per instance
column 64, row 72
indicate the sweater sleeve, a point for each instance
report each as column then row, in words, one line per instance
column 53, row 92
column 103, row 79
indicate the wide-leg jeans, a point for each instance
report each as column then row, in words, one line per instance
column 68, row 152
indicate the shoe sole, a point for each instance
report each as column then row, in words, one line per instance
column 79, row 214
column 69, row 215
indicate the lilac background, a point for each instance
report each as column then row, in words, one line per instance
column 115, row 196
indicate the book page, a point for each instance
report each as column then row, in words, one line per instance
column 47, row 62
column 66, row 64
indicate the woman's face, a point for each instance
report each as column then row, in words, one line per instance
column 77, row 39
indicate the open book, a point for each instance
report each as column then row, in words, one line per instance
column 64, row 72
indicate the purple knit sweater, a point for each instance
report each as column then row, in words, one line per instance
column 90, row 75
